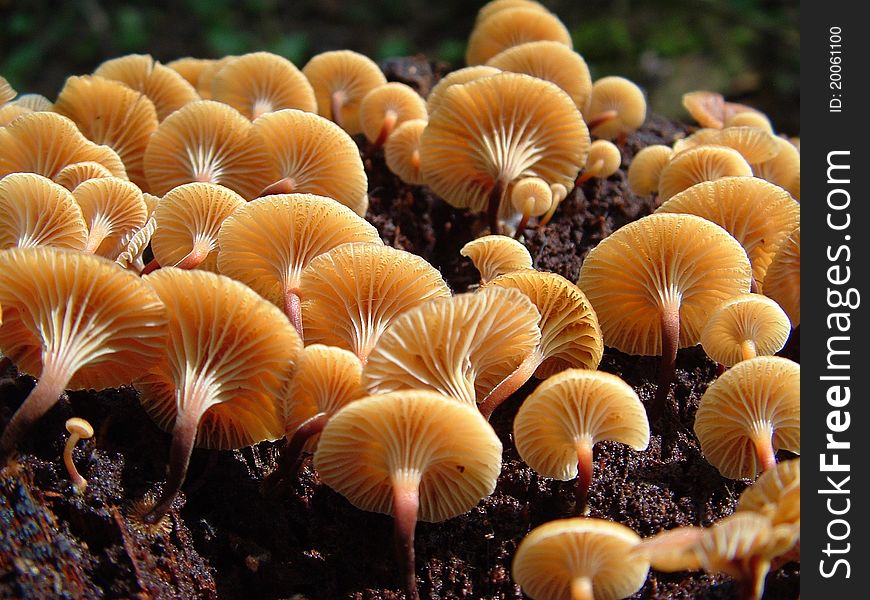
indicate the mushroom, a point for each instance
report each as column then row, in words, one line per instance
column 552, row 61
column 699, row 164
column 646, row 167
column 168, row 90
column 776, row 494
column 78, row 429
column 108, row 112
column 672, row 550
column 190, row 68
column 188, row 220
column 386, row 107
column 754, row 144
column 653, row 282
column 228, row 359
column 495, row 255
column 352, row 293
column 749, row 119
column 493, row 130
column 9, row 112
column 558, row 424
column 72, row 175
column 77, row 322
column 709, row 109
column 749, row 412
column 341, row 79
column 784, row 169
column 560, row 192
column 402, row 151
column 209, row 142
column 34, row 211
column 579, row 559
column 131, row 257
column 112, row 209
column 531, row 197
column 261, row 82
column 603, row 161
column 317, row 157
column 412, row 454
column 744, row 327
column 7, row 92
column 570, row 334
column 267, row 243
column 758, row 214
column 494, row 6
column 461, row 346
column 782, row 281
column 208, row 73
column 457, row 77
column 512, row 27
column 616, row 108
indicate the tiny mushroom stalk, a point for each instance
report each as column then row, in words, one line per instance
column 386, row 107
column 744, row 327
column 417, row 455
column 78, row 429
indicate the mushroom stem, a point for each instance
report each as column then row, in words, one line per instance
column 282, row 186
column 510, row 384
column 183, row 438
column 77, row 480
column 390, row 119
column 751, row 585
column 495, row 199
column 293, row 310
column 581, row 589
column 748, row 350
column 196, row 255
column 589, row 172
column 602, row 118
column 670, row 343
column 584, row 473
column 406, row 502
column 753, row 285
column 152, row 265
column 762, row 440
column 521, row 226
column 48, row 390
column 97, row 234
column 336, row 103
column 291, row 455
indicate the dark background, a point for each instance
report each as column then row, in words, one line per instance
column 746, row 49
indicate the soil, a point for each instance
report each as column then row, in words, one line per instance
column 229, row 539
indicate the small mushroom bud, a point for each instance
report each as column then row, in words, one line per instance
column 532, row 197
column 603, row 161
column 646, row 168
column 79, row 429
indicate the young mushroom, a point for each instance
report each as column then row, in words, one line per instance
column 412, row 454
column 645, row 169
column 34, row 211
column 402, row 151
column 386, row 107
column 616, row 108
column 113, row 209
column 228, row 358
column 748, row 413
column 341, row 79
column 558, row 424
column 77, row 322
column 261, row 82
column 603, row 161
column 699, row 164
column 268, row 242
column 512, row 27
column 530, row 197
column 579, row 559
column 78, row 429
column 654, row 281
column 782, row 281
column 494, row 255
column 744, row 327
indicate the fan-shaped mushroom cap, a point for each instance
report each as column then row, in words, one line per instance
column 34, row 102
column 461, row 346
column 72, row 175
column 660, row 259
column 754, row 144
column 262, row 82
column 388, row 106
column 402, row 151
column 646, row 169
column 230, row 351
column 168, row 90
column 784, row 169
column 495, row 255
column 190, row 68
column 108, row 112
column 207, row 141
column 699, row 164
column 113, row 209
column 342, row 78
column 552, row 61
column 749, row 119
column 752, row 409
column 352, row 293
column 7, row 92
column 570, row 334
column 410, row 438
column 491, row 131
column 9, row 112
column 34, row 211
column 458, row 77
column 314, row 156
column 207, row 75
column 268, row 242
column 45, row 142
column 512, row 27
column 326, row 380
column 622, row 97
column 782, row 281
column 577, row 407
column 494, row 6
column 744, row 327
column 189, row 219
column 709, row 109
column 758, row 214
column 579, row 559
column 531, row 196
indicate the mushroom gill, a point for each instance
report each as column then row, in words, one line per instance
column 616, row 107
column 494, row 255
column 457, row 77
column 386, row 107
column 512, row 27
column 34, row 211
column 782, row 281
column 744, row 327
column 699, row 164
column 402, row 151
column 113, row 209
column 72, row 175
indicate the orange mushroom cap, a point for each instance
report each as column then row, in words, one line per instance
column 699, row 164
column 709, row 109
column 784, row 169
column 72, row 175
column 512, row 27
column 754, row 144
column 386, row 107
column 782, row 281
column 402, row 151
column 7, row 92
column 458, row 77
column 34, row 211
column 495, row 255
column 646, row 167
column 494, row 6
column 621, row 96
column 9, row 112
column 190, row 68
column 208, row 73
column 776, row 494
column 744, row 327
column 113, row 210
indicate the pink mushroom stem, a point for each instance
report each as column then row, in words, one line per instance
column 581, row 589
column 495, row 199
column 291, row 456
column 336, row 104
column 406, row 503
column 670, row 344
column 607, row 115
column 390, row 119
column 293, row 310
column 510, row 384
column 584, row 473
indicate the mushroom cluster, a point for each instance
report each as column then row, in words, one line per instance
column 201, row 231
